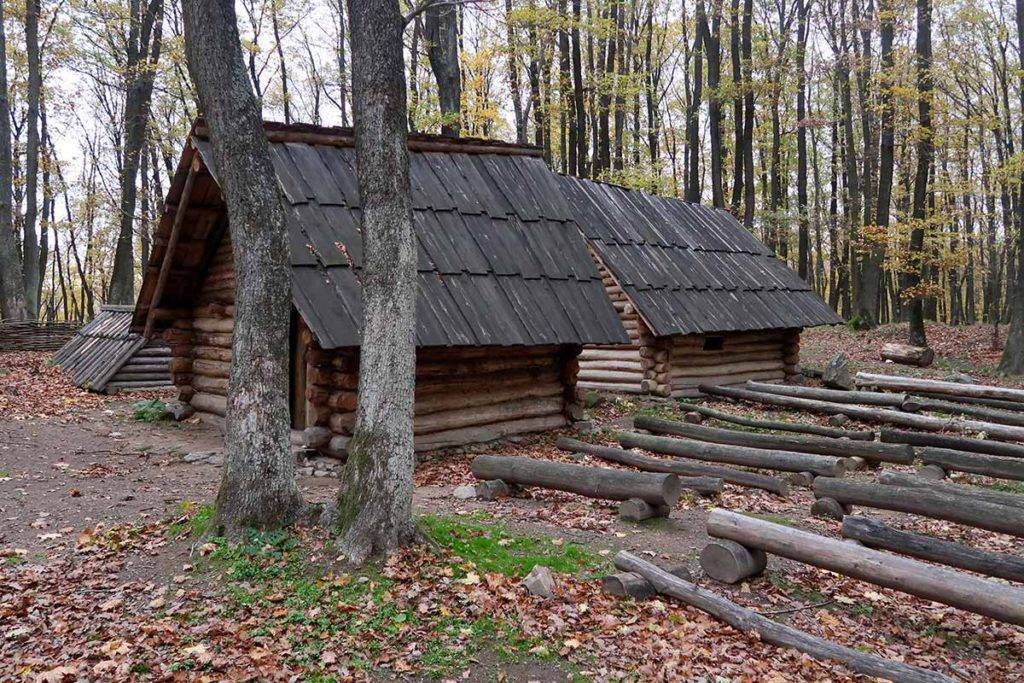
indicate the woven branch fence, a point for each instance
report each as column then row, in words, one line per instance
column 33, row 335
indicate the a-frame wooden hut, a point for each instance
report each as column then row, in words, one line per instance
column 702, row 299
column 508, row 293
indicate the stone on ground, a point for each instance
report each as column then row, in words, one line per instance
column 540, row 581
column 837, row 373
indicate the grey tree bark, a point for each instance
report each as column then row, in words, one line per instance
column 374, row 511
column 143, row 54
column 258, row 488
column 12, row 294
column 30, row 242
column 441, row 25
column 1012, row 361
column 925, row 151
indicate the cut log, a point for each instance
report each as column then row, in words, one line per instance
column 931, row 503
column 211, row 385
column 779, row 426
column 874, row 415
column 829, row 508
column 975, row 463
column 692, row 475
column 871, row 398
column 770, row 631
column 483, row 415
column 875, row 534
column 485, row 433
column 628, row 585
column 989, row 402
column 209, row 403
column 724, row 368
column 487, row 396
column 785, row 442
column 837, row 373
column 593, row 482
column 633, row 388
column 728, row 561
column 637, row 510
column 891, row 478
column 947, row 586
column 914, row 384
column 609, row 376
column 916, row 404
column 905, row 354
column 956, row 443
column 784, row 461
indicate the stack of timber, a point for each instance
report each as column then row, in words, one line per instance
column 623, row 368
column 954, row 389
column 36, row 335
column 728, row 359
column 105, row 355
column 940, row 584
column 463, row 395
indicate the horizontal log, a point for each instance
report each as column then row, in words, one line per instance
column 447, row 384
column 212, row 339
column 905, row 354
column 996, row 466
column 486, row 396
column 778, row 425
column 485, row 433
column 446, row 354
column 915, row 404
column 684, row 468
column 214, row 311
column 612, row 365
column 727, row 380
column 970, row 400
column 925, row 502
column 211, row 368
column 211, row 353
column 592, row 482
column 893, row 478
column 773, row 632
column 211, row 385
column 629, row 354
column 723, row 369
column 160, row 377
column 957, row 443
column 213, row 324
column 788, row 442
column 209, row 403
column 915, row 384
column 785, row 461
column 612, row 387
column 918, row 578
column 874, row 415
column 333, row 379
column 499, row 412
column 615, row 377
column 483, row 365
column 139, row 385
column 876, row 534
column 160, row 368
column 873, row 398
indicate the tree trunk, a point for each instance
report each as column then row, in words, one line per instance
column 375, row 503
column 770, row 631
column 894, row 478
column 803, row 222
column 580, row 118
column 441, row 26
column 737, row 106
column 593, row 482
column 693, row 111
column 905, row 354
column 712, row 46
column 971, row 593
column 952, row 442
column 997, row 466
column 786, row 442
column 143, row 47
column 258, row 488
column 748, row 115
column 1013, row 354
column 12, row 277
column 900, row 383
column 925, row 144
column 30, row 242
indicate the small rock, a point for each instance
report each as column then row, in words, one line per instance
column 305, row 471
column 464, row 492
column 576, row 412
column 540, row 582
column 492, row 490
column 585, row 427
column 200, row 456
column 315, row 437
column 837, row 373
column 321, row 473
column 181, row 411
column 961, row 378
column 838, row 420
column 216, row 459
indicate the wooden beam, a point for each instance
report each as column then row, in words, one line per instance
column 172, row 243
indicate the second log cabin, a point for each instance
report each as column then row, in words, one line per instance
column 703, row 301
column 508, row 294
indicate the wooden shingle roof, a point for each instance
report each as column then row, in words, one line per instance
column 690, row 269
column 500, row 260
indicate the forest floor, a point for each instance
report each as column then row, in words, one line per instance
column 106, row 572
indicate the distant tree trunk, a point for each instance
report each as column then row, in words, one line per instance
column 257, row 488
column 748, row 115
column 342, row 64
column 513, row 75
column 693, row 111
column 375, row 504
column 1013, row 354
column 567, row 110
column 737, row 106
column 279, row 48
column 712, row 45
column 924, row 160
column 887, row 160
column 30, row 241
column 803, row 256
column 577, row 95
column 12, row 279
column 441, row 26
column 143, row 54
column 602, row 162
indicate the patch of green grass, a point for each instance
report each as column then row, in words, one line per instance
column 771, row 517
column 492, row 548
column 4, row 474
column 197, row 522
column 1008, row 486
column 153, row 410
column 14, row 560
column 796, row 591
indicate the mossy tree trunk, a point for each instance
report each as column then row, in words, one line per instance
column 258, row 489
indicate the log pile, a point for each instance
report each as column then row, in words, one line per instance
column 148, row 368
column 920, row 356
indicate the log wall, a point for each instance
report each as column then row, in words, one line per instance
column 764, row 355
column 463, row 395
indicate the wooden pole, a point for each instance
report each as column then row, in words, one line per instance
column 172, row 244
column 956, row 443
column 975, row 463
column 971, row 593
column 871, row 398
column 893, row 478
column 901, row 383
column 770, row 631
column 780, row 426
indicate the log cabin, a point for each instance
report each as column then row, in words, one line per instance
column 703, row 301
column 508, row 294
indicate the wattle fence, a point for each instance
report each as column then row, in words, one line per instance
column 33, row 335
